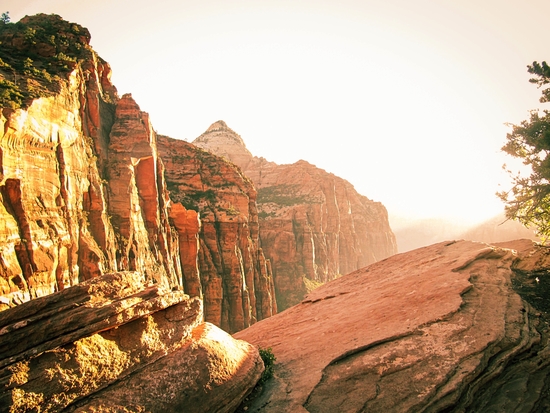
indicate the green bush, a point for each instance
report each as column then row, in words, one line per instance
column 34, row 71
column 269, row 360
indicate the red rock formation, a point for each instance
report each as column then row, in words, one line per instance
column 118, row 343
column 83, row 192
column 137, row 197
column 56, row 229
column 232, row 273
column 454, row 327
column 313, row 224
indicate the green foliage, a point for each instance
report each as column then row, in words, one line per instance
column 5, row 19
column 529, row 199
column 311, row 284
column 269, row 360
column 10, row 95
column 232, row 210
column 37, row 54
column 284, row 195
column 265, row 214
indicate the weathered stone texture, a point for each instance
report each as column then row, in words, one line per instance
column 52, row 198
column 231, row 272
column 83, row 192
column 452, row 327
column 119, row 343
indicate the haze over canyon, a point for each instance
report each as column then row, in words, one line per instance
column 142, row 273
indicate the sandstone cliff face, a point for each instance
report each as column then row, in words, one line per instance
column 119, row 343
column 232, row 272
column 55, row 230
column 454, row 327
column 83, row 189
column 313, row 224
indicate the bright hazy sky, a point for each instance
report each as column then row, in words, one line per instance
column 406, row 99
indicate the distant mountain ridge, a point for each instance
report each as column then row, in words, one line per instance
column 419, row 233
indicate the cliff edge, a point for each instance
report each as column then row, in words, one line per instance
column 84, row 190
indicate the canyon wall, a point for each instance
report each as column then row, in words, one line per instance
column 232, row 272
column 314, row 226
column 83, row 189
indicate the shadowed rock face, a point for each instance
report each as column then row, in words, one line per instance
column 118, row 343
column 83, row 192
column 313, row 224
column 457, row 326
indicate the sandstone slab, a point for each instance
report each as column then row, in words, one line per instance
column 441, row 328
column 117, row 343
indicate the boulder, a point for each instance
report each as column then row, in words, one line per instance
column 119, row 343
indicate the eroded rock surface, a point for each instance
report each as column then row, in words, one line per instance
column 119, row 343
column 83, row 188
column 231, row 271
column 445, row 328
column 314, row 226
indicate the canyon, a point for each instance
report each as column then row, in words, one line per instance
column 128, row 258
column 88, row 187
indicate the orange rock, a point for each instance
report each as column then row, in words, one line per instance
column 313, row 224
column 118, row 343
column 233, row 276
column 441, row 328
column 83, row 193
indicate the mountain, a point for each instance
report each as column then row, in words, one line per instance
column 499, row 229
column 412, row 234
column 84, row 190
column 314, row 226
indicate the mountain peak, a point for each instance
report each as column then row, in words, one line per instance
column 219, row 125
column 223, row 141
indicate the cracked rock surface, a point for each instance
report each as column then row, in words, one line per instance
column 453, row 327
column 117, row 343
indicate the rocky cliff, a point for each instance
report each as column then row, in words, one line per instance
column 453, row 327
column 314, row 226
column 83, row 189
column 120, row 343
column 232, row 273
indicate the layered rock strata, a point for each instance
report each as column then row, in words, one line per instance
column 232, row 272
column 314, row 226
column 83, row 189
column 55, row 228
column 119, row 343
column 457, row 326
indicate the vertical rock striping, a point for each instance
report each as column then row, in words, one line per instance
column 83, row 189
column 314, row 226
column 232, row 271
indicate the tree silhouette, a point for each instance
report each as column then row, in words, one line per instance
column 529, row 199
